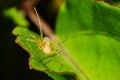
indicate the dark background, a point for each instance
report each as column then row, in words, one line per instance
column 13, row 59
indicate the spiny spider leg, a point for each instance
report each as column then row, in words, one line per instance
column 51, row 56
column 32, row 40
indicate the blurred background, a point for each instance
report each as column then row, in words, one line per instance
column 13, row 59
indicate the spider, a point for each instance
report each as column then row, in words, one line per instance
column 45, row 44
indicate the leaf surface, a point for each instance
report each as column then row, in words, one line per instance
column 93, row 30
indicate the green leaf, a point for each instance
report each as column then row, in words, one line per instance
column 16, row 16
column 54, row 65
column 61, row 76
column 93, row 38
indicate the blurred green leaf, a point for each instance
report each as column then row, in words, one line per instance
column 16, row 16
column 93, row 37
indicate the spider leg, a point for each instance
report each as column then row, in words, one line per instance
column 31, row 39
column 48, row 57
column 51, row 58
column 34, row 56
